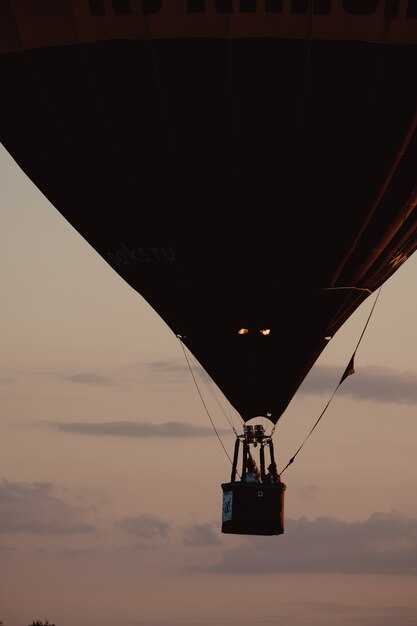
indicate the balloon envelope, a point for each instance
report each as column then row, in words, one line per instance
column 248, row 169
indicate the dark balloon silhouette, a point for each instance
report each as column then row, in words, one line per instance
column 248, row 167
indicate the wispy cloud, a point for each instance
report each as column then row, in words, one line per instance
column 302, row 613
column 169, row 370
column 6, row 550
column 86, row 378
column 145, row 526
column 200, row 535
column 7, row 380
column 33, row 508
column 381, row 384
column 169, row 366
column 136, row 429
column 384, row 543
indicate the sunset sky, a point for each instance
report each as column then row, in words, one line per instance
column 111, row 471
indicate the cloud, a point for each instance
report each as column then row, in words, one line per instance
column 384, row 543
column 308, row 492
column 137, row 429
column 6, row 380
column 145, row 526
column 381, row 384
column 87, row 379
column 5, row 550
column 168, row 370
column 383, row 616
column 170, row 367
column 32, row 508
column 200, row 535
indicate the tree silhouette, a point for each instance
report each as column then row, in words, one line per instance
column 38, row 623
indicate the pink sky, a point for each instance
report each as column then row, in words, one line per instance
column 109, row 516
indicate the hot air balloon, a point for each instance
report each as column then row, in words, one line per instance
column 248, row 166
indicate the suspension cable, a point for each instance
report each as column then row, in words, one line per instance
column 350, row 369
column 202, row 399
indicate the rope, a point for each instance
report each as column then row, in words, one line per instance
column 202, row 400
column 348, row 371
column 206, row 380
column 364, row 289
